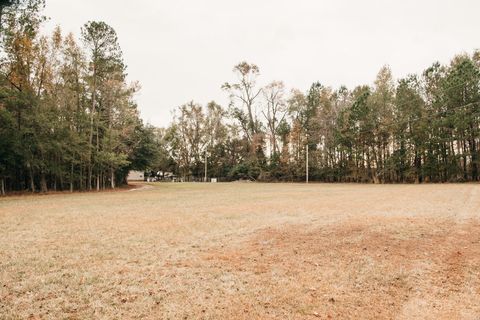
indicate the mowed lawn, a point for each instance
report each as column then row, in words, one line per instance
column 243, row 251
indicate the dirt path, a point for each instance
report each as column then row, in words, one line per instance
column 141, row 187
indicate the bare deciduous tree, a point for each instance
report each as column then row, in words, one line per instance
column 276, row 110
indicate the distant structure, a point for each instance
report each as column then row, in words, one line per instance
column 166, row 176
column 135, row 175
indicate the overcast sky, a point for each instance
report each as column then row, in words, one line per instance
column 184, row 50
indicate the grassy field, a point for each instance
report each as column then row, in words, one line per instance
column 243, row 251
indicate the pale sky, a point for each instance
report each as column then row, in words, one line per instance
column 183, row 50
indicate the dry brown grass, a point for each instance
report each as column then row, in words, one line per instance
column 243, row 251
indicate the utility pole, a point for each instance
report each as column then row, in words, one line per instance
column 205, row 165
column 306, row 163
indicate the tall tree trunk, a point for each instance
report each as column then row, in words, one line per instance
column 43, row 183
column 384, row 160
column 474, row 155
column 71, row 176
column 62, row 184
column 92, row 117
column 32, row 180
column 369, row 165
column 376, row 162
column 464, row 156
column 89, row 176
column 112, row 178
column 81, row 177
column 2, row 186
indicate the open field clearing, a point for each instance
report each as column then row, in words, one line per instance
column 243, row 251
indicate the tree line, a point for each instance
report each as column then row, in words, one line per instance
column 422, row 128
column 68, row 120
